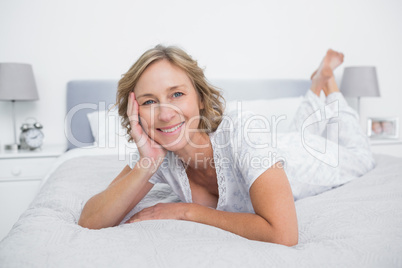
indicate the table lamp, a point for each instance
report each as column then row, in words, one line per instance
column 17, row 83
column 360, row 82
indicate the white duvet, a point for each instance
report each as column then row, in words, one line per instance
column 356, row 225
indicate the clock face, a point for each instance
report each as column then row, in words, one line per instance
column 34, row 138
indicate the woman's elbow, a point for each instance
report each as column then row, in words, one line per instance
column 93, row 220
column 286, row 241
column 91, row 216
column 290, row 242
column 287, row 238
column 87, row 223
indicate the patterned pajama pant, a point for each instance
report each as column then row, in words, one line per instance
column 326, row 146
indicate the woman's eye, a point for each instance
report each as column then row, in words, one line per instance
column 177, row 94
column 148, row 102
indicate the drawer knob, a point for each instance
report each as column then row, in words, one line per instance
column 16, row 171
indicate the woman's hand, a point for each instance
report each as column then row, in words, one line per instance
column 161, row 211
column 147, row 147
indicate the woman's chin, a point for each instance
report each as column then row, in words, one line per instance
column 173, row 146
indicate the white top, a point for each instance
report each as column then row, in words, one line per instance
column 242, row 152
column 327, row 148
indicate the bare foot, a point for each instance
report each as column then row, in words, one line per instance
column 325, row 71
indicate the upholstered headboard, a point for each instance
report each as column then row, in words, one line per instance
column 84, row 96
column 261, row 88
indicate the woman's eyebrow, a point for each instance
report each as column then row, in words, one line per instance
column 175, row 87
column 167, row 89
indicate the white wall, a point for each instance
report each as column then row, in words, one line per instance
column 92, row 39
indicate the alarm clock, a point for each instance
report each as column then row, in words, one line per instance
column 31, row 137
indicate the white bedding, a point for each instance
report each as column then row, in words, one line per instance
column 358, row 224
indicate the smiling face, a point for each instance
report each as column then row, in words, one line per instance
column 169, row 106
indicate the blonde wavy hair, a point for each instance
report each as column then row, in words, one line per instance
column 214, row 103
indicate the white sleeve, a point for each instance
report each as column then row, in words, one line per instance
column 158, row 175
column 254, row 146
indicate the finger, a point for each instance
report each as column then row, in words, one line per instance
column 133, row 120
column 133, row 218
column 129, row 104
column 133, row 116
column 145, row 214
column 135, row 106
column 132, row 221
column 137, row 216
column 131, row 113
column 132, row 108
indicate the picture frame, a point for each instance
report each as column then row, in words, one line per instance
column 383, row 127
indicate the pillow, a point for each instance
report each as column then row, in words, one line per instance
column 279, row 111
column 106, row 129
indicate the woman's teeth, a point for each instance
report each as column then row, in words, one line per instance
column 172, row 129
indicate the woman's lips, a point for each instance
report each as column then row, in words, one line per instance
column 171, row 129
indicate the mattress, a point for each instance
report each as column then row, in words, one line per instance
column 356, row 224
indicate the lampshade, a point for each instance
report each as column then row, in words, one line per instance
column 17, row 82
column 360, row 82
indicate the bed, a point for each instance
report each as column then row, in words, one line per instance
column 356, row 225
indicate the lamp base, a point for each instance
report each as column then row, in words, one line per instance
column 12, row 147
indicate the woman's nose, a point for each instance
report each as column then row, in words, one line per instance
column 167, row 112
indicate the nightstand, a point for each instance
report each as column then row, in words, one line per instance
column 390, row 147
column 20, row 177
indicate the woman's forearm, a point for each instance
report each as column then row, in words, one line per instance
column 109, row 207
column 248, row 225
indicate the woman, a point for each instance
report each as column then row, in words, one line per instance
column 177, row 121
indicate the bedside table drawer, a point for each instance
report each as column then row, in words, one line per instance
column 23, row 169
